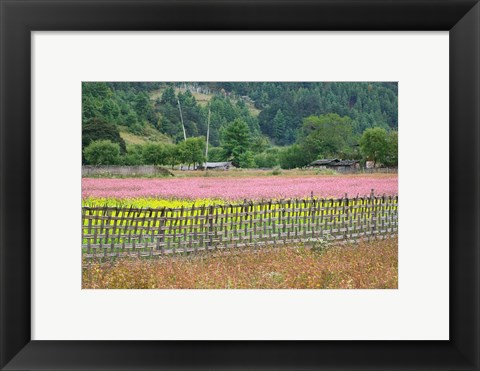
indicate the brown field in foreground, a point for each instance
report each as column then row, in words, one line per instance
column 366, row 265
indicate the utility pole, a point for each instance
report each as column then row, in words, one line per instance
column 181, row 118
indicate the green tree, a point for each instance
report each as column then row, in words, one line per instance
column 192, row 151
column 235, row 140
column 134, row 124
column 154, row 154
column 216, row 154
column 102, row 152
column 259, row 144
column 268, row 159
column 98, row 102
column 96, row 129
column 169, row 97
column 134, row 155
column 193, row 120
column 391, row 158
column 326, row 136
column 172, row 155
column 292, row 157
column 374, row 144
column 169, row 122
column 142, row 105
column 246, row 160
column 279, row 125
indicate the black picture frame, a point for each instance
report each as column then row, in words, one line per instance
column 18, row 18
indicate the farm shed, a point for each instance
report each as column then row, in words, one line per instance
column 322, row 164
column 344, row 165
column 336, row 164
column 216, row 165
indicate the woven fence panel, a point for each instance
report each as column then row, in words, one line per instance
column 111, row 231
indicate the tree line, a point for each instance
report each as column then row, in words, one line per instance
column 251, row 124
column 324, row 136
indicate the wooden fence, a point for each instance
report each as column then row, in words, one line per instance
column 111, row 232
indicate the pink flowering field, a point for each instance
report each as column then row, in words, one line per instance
column 231, row 189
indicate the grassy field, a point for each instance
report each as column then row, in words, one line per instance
column 366, row 265
column 233, row 173
column 150, row 135
column 239, row 173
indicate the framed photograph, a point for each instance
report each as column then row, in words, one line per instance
column 183, row 183
column 248, row 185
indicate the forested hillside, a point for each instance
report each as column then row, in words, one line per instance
column 253, row 124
